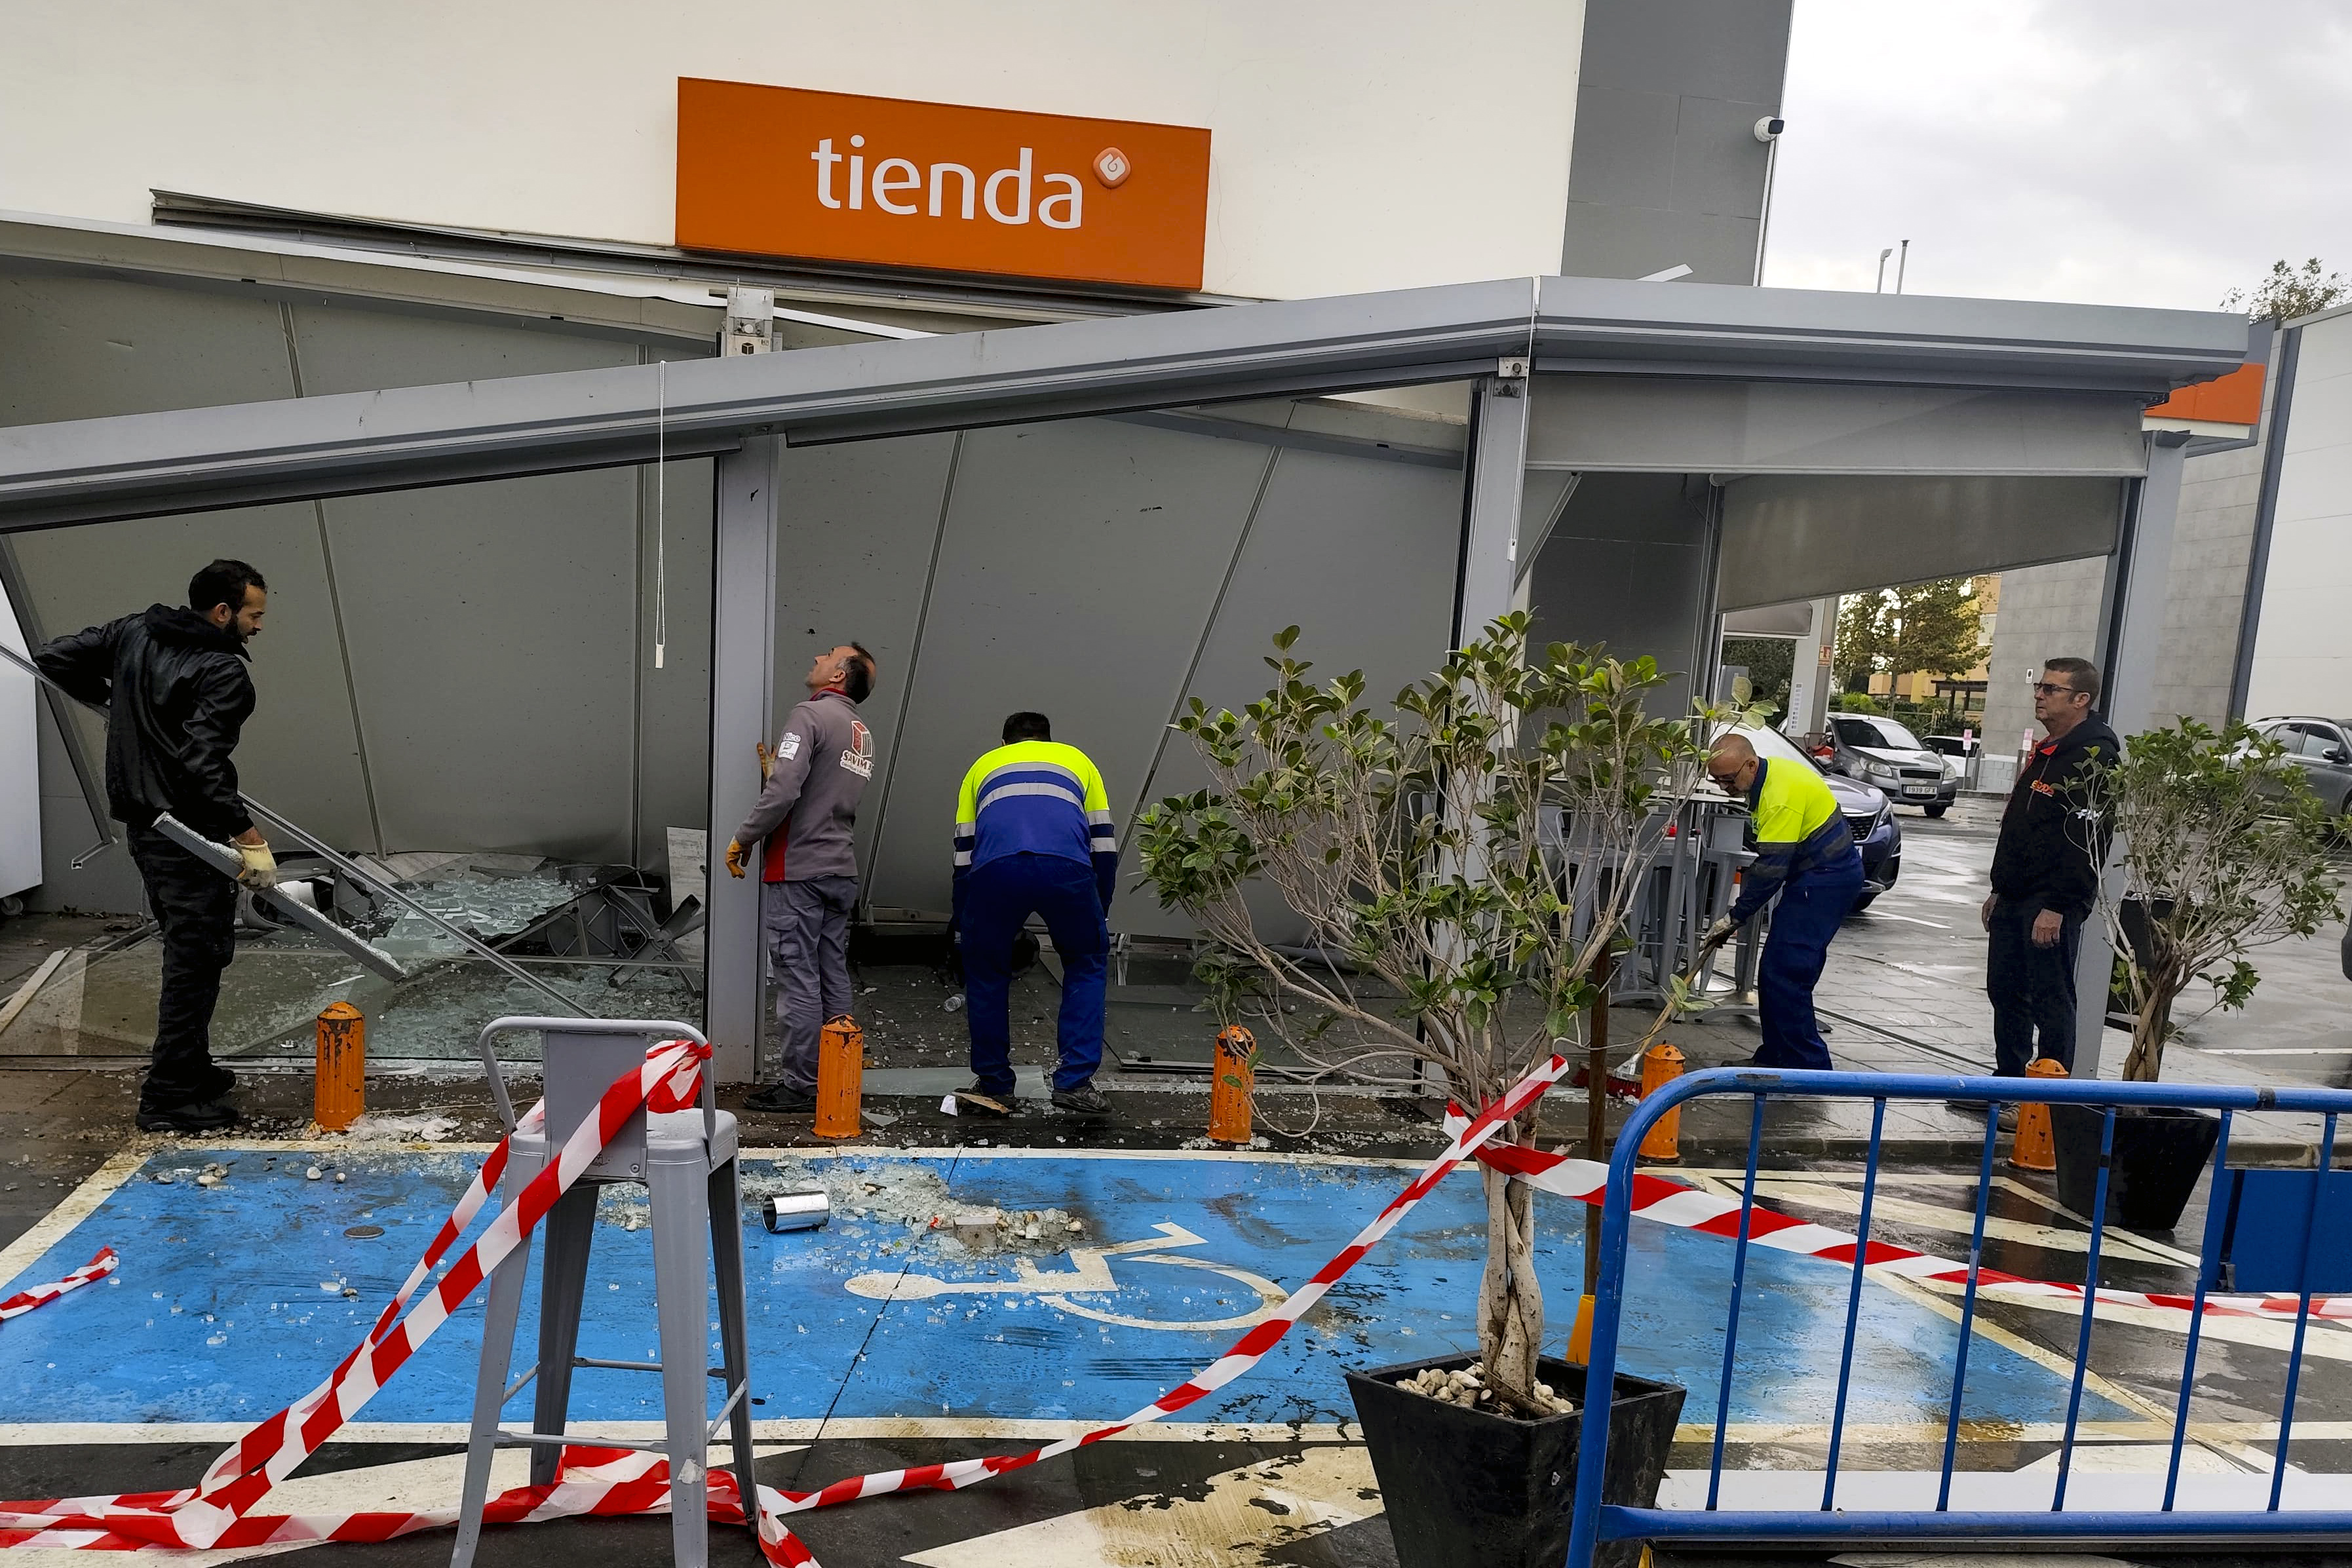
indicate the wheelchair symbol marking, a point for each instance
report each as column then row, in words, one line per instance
column 1089, row 1275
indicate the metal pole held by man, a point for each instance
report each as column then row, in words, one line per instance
column 173, row 682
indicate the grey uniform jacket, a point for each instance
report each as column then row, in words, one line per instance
column 808, row 812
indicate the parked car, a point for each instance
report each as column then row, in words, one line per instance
column 1880, row 752
column 2319, row 746
column 1959, row 754
column 1867, row 814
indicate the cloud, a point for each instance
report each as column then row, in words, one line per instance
column 2128, row 151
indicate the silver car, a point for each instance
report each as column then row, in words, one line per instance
column 2320, row 748
column 1882, row 752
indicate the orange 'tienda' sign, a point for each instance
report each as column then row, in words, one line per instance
column 832, row 176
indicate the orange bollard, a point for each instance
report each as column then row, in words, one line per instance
column 1660, row 1065
column 840, row 1078
column 2031, row 1149
column 1229, row 1086
column 1579, row 1337
column 339, row 1089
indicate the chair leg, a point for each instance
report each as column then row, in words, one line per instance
column 682, row 1295
column 570, row 1229
column 726, row 1197
column 497, row 1357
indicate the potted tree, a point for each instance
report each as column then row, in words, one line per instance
column 1460, row 862
column 2222, row 848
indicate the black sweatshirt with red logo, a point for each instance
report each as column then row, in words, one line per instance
column 2040, row 861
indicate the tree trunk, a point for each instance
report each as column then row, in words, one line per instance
column 2149, row 1026
column 1510, row 1297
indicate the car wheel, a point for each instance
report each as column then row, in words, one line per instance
column 1938, row 808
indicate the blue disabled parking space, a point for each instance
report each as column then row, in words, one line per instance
column 1113, row 1277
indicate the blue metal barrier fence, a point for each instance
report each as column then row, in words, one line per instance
column 1596, row 1521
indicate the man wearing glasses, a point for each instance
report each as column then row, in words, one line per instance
column 2044, row 883
column 1806, row 854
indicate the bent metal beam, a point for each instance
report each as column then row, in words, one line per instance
column 251, row 454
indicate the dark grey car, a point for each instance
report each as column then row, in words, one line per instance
column 1884, row 754
column 2322, row 747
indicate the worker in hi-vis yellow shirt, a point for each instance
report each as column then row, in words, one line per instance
column 1034, row 835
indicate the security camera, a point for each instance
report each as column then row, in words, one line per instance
column 1769, row 128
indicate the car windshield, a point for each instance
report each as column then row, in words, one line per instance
column 1890, row 735
column 1774, row 747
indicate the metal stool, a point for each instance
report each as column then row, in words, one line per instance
column 685, row 1160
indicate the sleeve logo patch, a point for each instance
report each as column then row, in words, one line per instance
column 791, row 747
column 858, row 758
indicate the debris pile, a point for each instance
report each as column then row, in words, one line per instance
column 1467, row 1386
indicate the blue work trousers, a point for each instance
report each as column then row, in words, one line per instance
column 1812, row 904
column 998, row 899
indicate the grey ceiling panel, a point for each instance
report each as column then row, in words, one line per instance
column 353, row 350
column 855, row 529
column 78, row 348
column 1767, row 428
column 1623, row 568
column 1360, row 556
column 1078, row 566
column 1804, row 537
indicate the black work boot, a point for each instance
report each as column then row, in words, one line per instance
column 782, row 1097
column 203, row 1116
column 1085, row 1099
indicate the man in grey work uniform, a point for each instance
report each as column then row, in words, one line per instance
column 807, row 812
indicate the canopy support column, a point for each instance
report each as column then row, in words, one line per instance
column 743, row 677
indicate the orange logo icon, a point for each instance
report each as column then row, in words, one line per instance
column 1112, row 168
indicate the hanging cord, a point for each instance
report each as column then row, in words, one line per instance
column 661, row 511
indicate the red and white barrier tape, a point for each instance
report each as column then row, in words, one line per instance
column 215, row 1514
column 26, row 1300
column 1671, row 1203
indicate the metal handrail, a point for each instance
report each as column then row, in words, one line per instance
column 1594, row 1521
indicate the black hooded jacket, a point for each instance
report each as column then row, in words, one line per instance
column 2043, row 858
column 177, row 694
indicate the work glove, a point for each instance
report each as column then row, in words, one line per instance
column 767, row 763
column 1721, row 931
column 738, row 859
column 261, row 867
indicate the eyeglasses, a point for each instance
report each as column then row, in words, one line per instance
column 2049, row 689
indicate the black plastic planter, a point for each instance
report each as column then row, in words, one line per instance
column 2159, row 1152
column 1463, row 1488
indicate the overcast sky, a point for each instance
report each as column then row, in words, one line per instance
column 2130, row 151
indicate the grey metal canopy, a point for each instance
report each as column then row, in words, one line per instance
column 1650, row 441
column 242, row 455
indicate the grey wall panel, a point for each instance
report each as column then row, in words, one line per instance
column 1802, row 538
column 82, row 348
column 298, row 752
column 1625, row 568
column 673, row 700
column 492, row 636
column 492, row 629
column 1078, row 566
column 854, row 538
column 1360, row 556
column 1665, row 168
column 1780, row 427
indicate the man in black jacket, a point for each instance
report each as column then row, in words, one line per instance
column 175, row 685
column 2044, row 882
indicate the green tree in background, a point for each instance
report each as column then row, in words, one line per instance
column 2290, row 292
column 1931, row 626
column 1769, row 661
